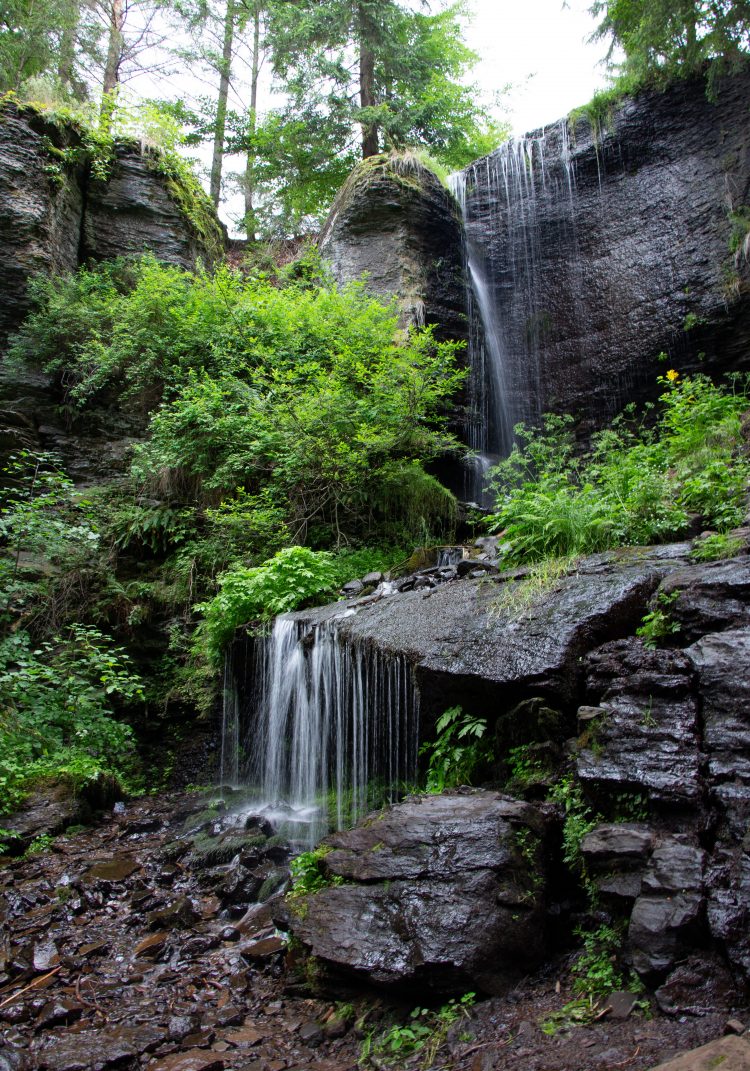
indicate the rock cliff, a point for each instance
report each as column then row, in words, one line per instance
column 55, row 214
column 394, row 221
column 653, row 738
column 606, row 245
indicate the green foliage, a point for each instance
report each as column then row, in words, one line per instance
column 639, row 482
column 293, row 577
column 664, row 39
column 657, row 625
column 425, row 1032
column 526, row 768
column 596, row 969
column 309, row 875
column 57, row 713
column 579, row 820
column 716, row 546
column 457, row 752
column 411, row 93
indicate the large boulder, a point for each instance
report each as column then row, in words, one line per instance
column 396, row 223
column 492, row 642
column 447, row 892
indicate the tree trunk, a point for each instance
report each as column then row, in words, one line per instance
column 67, row 54
column 114, row 49
column 217, row 160
column 370, row 145
column 251, row 125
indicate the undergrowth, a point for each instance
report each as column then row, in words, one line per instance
column 645, row 479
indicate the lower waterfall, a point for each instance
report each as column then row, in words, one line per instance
column 332, row 728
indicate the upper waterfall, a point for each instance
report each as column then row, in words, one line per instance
column 506, row 245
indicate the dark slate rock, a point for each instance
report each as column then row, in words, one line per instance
column 615, row 237
column 722, row 661
column 470, row 642
column 40, row 213
column 728, row 910
column 615, row 855
column 669, row 907
column 699, row 986
column 621, row 845
column 134, row 212
column 647, row 737
column 710, row 597
column 394, row 220
column 443, row 892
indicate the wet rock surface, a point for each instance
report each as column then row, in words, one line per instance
column 604, row 247
column 54, row 216
column 442, row 892
column 76, row 994
column 396, row 222
column 496, row 639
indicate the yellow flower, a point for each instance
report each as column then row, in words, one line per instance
column 673, row 376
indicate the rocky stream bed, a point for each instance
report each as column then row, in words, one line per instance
column 132, row 944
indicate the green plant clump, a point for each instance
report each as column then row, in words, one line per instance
column 309, row 875
column 457, row 752
column 425, row 1032
column 641, row 481
column 657, row 625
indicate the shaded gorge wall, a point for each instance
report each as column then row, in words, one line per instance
column 591, row 252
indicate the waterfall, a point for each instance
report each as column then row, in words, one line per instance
column 335, row 727
column 500, row 197
column 229, row 769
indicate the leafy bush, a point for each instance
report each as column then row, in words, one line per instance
column 285, row 582
column 425, row 1032
column 657, row 625
column 458, row 750
column 308, row 875
column 56, row 710
column 638, row 484
column 715, row 547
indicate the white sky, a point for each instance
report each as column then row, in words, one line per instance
column 540, row 47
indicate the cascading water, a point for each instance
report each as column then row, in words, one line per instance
column 230, row 726
column 334, row 728
column 500, row 197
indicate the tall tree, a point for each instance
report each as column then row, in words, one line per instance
column 662, row 39
column 366, row 75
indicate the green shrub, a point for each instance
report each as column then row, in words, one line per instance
column 57, row 713
column 716, row 546
column 639, row 482
column 457, row 752
column 291, row 578
column 657, row 625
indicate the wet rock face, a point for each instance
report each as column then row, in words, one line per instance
column 446, row 892
column 488, row 642
column 395, row 221
column 40, row 209
column 614, row 247
column 643, row 734
column 54, row 216
column 133, row 212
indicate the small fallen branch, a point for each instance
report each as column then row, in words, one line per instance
column 32, row 985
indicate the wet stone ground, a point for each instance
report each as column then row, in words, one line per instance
column 131, row 945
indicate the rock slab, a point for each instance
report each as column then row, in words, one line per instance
column 445, row 892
